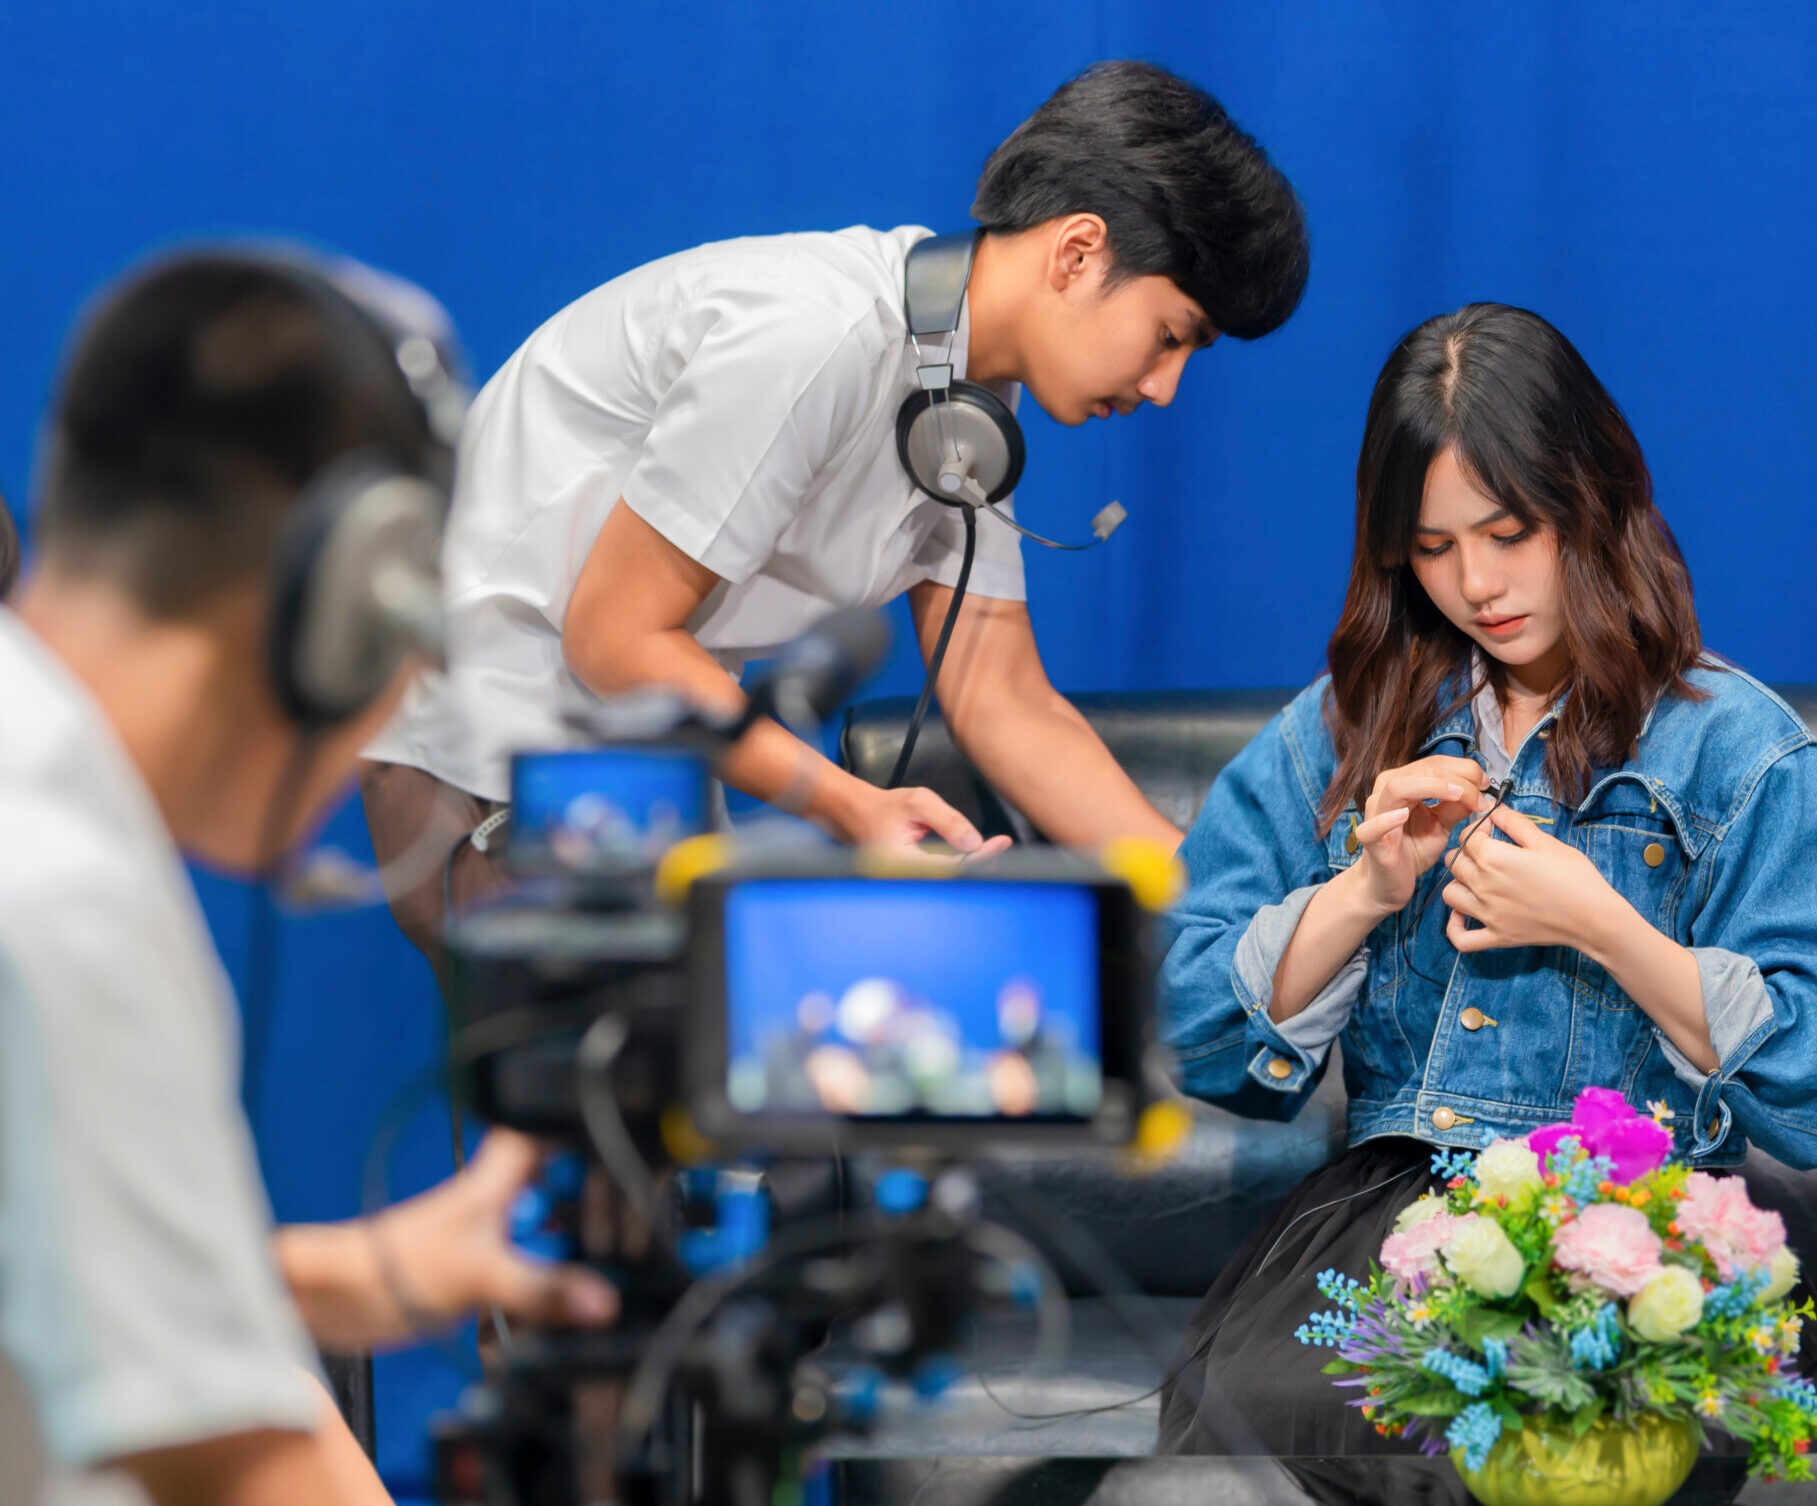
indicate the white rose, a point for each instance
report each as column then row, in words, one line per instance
column 1416, row 1213
column 1484, row 1258
column 1507, row 1169
column 1667, row 1305
column 1783, row 1268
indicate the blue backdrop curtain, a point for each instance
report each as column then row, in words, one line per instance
column 1642, row 174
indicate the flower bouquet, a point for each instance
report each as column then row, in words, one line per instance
column 1568, row 1312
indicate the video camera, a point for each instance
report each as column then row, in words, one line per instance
column 719, row 1023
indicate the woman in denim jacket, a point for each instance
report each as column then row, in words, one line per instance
column 1632, row 903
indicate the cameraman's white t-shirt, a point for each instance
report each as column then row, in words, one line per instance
column 742, row 398
column 140, row 1302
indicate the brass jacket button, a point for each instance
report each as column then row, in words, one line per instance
column 1443, row 1119
column 1350, row 842
column 1472, row 1018
column 1279, row 1068
column 1654, row 855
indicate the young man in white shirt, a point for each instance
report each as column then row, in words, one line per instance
column 159, row 1326
column 684, row 468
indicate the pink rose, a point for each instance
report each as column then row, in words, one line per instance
column 1604, row 1124
column 1414, row 1252
column 1717, row 1214
column 1609, row 1246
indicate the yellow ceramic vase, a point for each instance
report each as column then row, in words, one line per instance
column 1637, row 1463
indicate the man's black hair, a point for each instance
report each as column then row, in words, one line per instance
column 196, row 401
column 1183, row 191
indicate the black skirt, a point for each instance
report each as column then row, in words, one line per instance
column 1239, row 1350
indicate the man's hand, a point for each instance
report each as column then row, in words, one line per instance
column 897, row 819
column 452, row 1251
column 1532, row 890
column 433, row 1260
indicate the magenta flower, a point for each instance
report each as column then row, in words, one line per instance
column 1603, row 1122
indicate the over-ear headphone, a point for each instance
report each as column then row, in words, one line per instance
column 355, row 569
column 958, row 440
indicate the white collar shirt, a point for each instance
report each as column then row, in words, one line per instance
column 741, row 398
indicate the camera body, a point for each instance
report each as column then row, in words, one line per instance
column 709, row 1024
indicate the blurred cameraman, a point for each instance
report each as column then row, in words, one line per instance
column 161, row 1331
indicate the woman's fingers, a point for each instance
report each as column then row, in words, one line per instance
column 1462, row 901
column 1466, row 940
column 1413, row 786
column 1370, row 832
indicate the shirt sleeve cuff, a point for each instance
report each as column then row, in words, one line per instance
column 1737, row 1009
column 1302, row 1042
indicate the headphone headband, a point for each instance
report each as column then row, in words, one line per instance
column 355, row 569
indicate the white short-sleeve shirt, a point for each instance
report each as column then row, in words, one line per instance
column 140, row 1302
column 742, row 398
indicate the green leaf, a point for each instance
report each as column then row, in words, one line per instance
column 1433, row 1403
column 1338, row 1367
column 1481, row 1323
column 1538, row 1289
column 1584, row 1418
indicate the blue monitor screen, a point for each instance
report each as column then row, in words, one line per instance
column 591, row 808
column 888, row 998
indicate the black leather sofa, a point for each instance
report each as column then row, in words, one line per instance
column 1168, row 1233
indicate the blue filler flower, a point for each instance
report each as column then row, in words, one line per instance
column 1495, row 1357
column 1475, row 1430
column 1468, row 1376
column 1325, row 1330
column 1453, row 1163
column 1595, row 1346
column 1733, row 1300
column 1341, row 1289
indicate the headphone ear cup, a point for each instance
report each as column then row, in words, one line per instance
column 357, row 551
column 964, row 429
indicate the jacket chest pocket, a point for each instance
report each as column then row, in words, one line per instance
column 1634, row 840
column 1341, row 845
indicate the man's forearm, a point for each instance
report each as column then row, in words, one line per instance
column 1043, row 756
column 770, row 763
column 338, row 1284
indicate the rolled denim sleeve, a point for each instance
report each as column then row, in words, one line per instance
column 1254, row 860
column 1259, row 954
column 1754, row 935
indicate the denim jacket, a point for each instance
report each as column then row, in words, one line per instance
column 1707, row 831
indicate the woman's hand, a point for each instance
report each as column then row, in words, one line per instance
column 1401, row 836
column 1532, row 890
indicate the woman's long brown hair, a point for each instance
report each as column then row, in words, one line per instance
column 1534, row 429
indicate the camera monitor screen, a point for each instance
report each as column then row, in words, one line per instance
column 875, row 999
column 589, row 810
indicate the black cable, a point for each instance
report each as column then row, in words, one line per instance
column 472, row 1043
column 939, row 655
column 1411, row 933
column 456, row 1122
column 1176, row 1370
column 1100, row 1267
column 258, row 993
